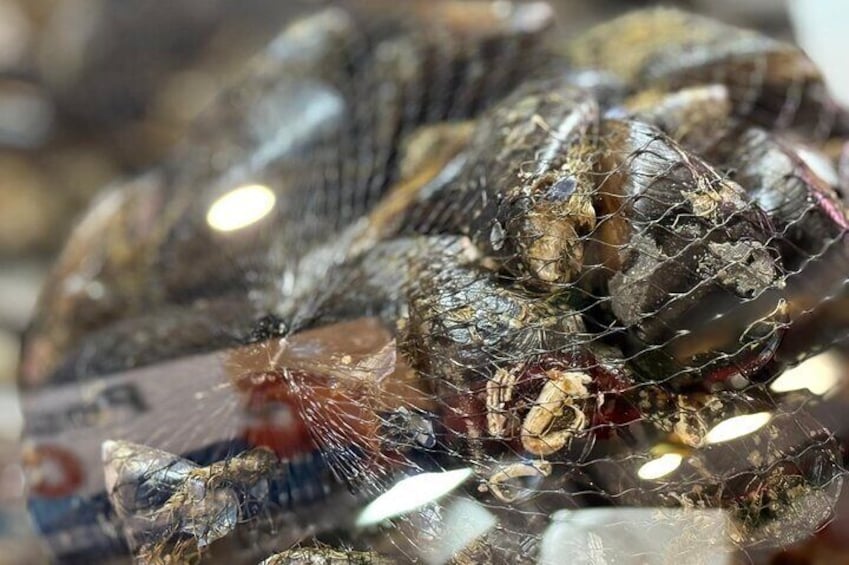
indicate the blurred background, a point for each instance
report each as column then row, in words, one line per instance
column 94, row 90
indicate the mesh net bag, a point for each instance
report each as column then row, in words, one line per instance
column 440, row 284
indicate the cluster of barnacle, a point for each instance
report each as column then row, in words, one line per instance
column 640, row 229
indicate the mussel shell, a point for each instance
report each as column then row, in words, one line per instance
column 805, row 210
column 478, row 324
column 811, row 230
column 685, row 259
column 523, row 193
column 770, row 82
column 697, row 117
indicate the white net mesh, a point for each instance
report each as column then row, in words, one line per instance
column 546, row 276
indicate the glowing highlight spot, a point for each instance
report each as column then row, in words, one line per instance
column 240, row 208
column 819, row 374
column 411, row 493
column 660, row 467
column 738, row 426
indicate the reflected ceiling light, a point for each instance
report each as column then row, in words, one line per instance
column 660, row 467
column 411, row 493
column 738, row 426
column 240, row 208
column 819, row 374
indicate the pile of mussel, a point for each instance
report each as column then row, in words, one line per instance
column 573, row 255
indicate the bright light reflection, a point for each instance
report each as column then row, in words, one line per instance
column 660, row 467
column 818, row 374
column 240, row 208
column 738, row 426
column 411, row 493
